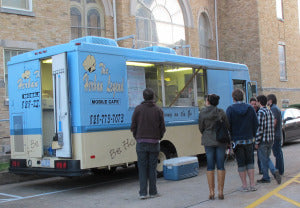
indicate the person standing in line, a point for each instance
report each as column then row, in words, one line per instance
column 243, row 126
column 264, row 140
column 215, row 151
column 148, row 128
column 253, row 103
column 276, row 148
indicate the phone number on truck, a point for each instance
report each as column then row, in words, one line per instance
column 96, row 119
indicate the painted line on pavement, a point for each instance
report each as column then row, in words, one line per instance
column 275, row 192
column 10, row 195
column 287, row 199
column 16, row 198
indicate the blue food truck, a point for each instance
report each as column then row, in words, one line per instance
column 70, row 105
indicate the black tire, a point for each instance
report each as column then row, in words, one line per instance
column 105, row 172
column 282, row 139
column 164, row 154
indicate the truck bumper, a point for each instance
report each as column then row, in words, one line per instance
column 70, row 168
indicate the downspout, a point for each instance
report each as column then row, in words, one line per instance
column 217, row 36
column 115, row 20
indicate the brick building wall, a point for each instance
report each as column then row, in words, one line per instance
column 250, row 32
column 125, row 22
column 239, row 34
column 273, row 32
column 192, row 33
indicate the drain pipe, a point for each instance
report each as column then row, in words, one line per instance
column 217, row 36
column 115, row 20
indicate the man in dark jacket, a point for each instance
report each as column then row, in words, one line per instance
column 148, row 127
column 277, row 150
column 243, row 126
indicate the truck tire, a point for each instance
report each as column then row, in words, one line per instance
column 282, row 138
column 164, row 154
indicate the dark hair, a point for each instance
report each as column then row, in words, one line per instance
column 213, row 99
column 273, row 98
column 148, row 94
column 262, row 99
column 253, row 99
column 238, row 95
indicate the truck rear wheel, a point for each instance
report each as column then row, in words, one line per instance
column 164, row 154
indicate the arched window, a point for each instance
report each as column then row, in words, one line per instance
column 204, row 35
column 87, row 18
column 76, row 25
column 93, row 21
column 159, row 22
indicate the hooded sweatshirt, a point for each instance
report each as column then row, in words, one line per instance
column 243, row 121
column 207, row 119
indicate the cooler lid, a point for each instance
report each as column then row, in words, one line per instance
column 180, row 161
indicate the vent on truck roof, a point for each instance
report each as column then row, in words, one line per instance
column 160, row 49
column 95, row 40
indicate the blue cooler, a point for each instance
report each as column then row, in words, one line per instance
column 181, row 168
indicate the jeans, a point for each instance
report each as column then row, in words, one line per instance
column 277, row 152
column 264, row 152
column 258, row 162
column 244, row 155
column 147, row 154
column 215, row 155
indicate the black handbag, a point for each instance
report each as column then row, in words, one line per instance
column 222, row 133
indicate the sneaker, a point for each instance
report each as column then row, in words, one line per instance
column 243, row 189
column 277, row 177
column 143, row 197
column 263, row 181
column 155, row 195
column 252, row 188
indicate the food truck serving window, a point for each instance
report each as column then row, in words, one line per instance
column 173, row 85
column 179, row 86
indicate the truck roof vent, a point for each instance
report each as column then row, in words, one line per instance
column 160, row 49
column 95, row 40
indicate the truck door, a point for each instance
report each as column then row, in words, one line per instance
column 24, row 106
column 61, row 106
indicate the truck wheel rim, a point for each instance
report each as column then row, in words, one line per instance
column 160, row 162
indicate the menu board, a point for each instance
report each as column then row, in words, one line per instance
column 136, row 84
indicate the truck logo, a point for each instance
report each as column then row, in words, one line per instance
column 26, row 74
column 26, row 81
column 89, row 63
column 93, row 84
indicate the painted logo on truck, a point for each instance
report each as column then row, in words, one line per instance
column 28, row 80
column 93, row 83
column 89, row 63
